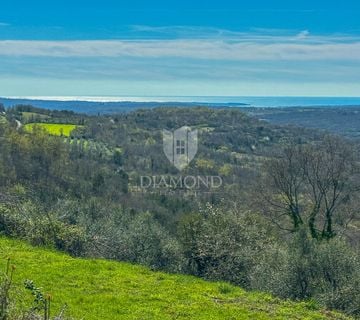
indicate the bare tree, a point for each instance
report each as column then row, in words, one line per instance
column 312, row 185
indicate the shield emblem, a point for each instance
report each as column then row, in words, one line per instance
column 180, row 146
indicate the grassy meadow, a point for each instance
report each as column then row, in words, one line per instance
column 99, row 289
column 56, row 129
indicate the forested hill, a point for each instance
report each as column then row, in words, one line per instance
column 343, row 120
column 105, row 156
column 340, row 120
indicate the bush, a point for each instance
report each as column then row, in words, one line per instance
column 29, row 223
column 327, row 271
column 226, row 246
column 137, row 238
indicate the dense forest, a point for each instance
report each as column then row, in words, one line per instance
column 284, row 221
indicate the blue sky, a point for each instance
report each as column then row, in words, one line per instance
column 142, row 48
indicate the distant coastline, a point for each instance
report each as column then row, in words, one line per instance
column 113, row 104
column 271, row 101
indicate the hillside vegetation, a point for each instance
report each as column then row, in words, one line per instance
column 284, row 221
column 100, row 289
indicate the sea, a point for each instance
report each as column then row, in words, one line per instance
column 111, row 104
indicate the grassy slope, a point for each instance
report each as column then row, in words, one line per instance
column 53, row 128
column 98, row 289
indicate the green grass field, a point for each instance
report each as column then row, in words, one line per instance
column 56, row 129
column 99, row 289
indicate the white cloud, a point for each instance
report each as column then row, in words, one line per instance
column 186, row 32
column 267, row 48
column 303, row 34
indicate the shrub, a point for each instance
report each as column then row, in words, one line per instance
column 30, row 223
column 327, row 271
column 222, row 245
column 140, row 239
